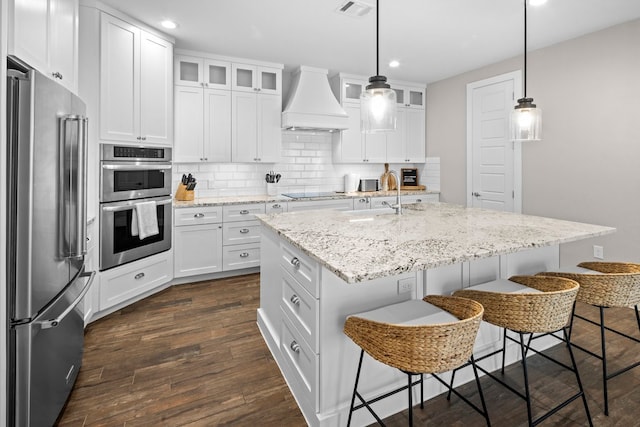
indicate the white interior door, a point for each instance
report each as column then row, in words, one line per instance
column 493, row 160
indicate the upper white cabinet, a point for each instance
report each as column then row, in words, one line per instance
column 44, row 34
column 255, row 124
column 136, row 75
column 254, row 78
column 410, row 97
column 202, row 72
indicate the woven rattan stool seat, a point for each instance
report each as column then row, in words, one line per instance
column 529, row 305
column 432, row 335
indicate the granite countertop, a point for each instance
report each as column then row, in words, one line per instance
column 262, row 198
column 361, row 247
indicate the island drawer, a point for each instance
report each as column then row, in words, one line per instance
column 301, row 360
column 302, row 309
column 300, row 266
column 241, row 232
column 276, row 207
column 242, row 212
column 236, row 257
column 197, row 215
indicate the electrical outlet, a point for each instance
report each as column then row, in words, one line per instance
column 598, row 252
column 405, row 285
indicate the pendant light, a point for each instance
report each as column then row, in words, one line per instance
column 526, row 118
column 378, row 107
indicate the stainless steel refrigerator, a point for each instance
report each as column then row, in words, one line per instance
column 47, row 134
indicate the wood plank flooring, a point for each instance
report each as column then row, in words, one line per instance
column 192, row 355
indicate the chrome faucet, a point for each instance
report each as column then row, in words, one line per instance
column 398, row 205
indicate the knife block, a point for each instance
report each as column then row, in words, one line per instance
column 183, row 195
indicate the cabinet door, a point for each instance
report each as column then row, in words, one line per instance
column 244, row 77
column 156, row 89
column 63, row 47
column 217, row 125
column 414, row 130
column 351, row 91
column 376, row 147
column 198, row 249
column 217, row 74
column 396, row 146
column 350, row 147
column 269, row 80
column 269, row 128
column 119, row 80
column 29, row 35
column 415, row 98
column 189, row 124
column 189, row 71
column 243, row 127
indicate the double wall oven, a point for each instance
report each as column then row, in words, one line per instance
column 130, row 175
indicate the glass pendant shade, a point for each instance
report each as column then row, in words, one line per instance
column 378, row 106
column 526, row 121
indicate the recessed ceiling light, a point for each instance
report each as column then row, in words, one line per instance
column 537, row 2
column 169, row 24
column 394, row 64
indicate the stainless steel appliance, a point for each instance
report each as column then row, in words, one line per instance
column 368, row 185
column 46, row 244
column 130, row 175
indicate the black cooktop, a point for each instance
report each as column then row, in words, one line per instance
column 310, row 195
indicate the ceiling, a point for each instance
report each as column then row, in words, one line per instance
column 432, row 39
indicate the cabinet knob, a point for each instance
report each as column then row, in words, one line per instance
column 244, row 231
column 57, row 75
column 139, row 138
column 144, row 138
column 138, row 276
column 295, row 262
column 294, row 346
column 418, row 200
column 475, row 194
column 244, row 254
column 362, row 201
column 276, row 206
column 295, row 299
column 244, row 212
column 198, row 215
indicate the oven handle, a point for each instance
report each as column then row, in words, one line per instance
column 129, row 205
column 132, row 167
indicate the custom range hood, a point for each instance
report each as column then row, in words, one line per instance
column 312, row 105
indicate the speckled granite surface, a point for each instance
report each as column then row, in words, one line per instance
column 238, row 200
column 364, row 247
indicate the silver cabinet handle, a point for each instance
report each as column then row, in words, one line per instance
column 362, row 201
column 295, row 299
column 138, row 276
column 276, row 206
column 475, row 194
column 244, row 231
column 294, row 346
column 418, row 200
column 244, row 254
column 57, row 75
column 244, row 212
column 295, row 262
column 199, row 215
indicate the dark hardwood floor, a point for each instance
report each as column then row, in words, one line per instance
column 193, row 355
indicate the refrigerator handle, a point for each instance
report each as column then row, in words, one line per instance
column 52, row 323
column 73, row 135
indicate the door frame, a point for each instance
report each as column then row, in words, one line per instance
column 516, row 76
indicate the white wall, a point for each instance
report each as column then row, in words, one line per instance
column 306, row 166
column 586, row 167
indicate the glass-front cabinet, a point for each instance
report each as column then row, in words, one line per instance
column 202, row 72
column 252, row 78
column 409, row 97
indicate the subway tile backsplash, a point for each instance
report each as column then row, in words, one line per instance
column 306, row 166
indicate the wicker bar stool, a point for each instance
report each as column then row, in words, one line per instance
column 528, row 305
column 417, row 337
column 606, row 285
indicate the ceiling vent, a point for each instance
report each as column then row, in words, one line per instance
column 356, row 9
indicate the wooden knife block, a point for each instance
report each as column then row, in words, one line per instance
column 182, row 194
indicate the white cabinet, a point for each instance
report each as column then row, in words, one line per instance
column 276, row 207
column 334, row 204
column 136, row 75
column 353, row 146
column 361, row 203
column 409, row 97
column 202, row 72
column 254, row 78
column 91, row 301
column 256, row 134
column 202, row 125
column 407, row 144
column 44, row 34
column 241, row 236
column 198, row 240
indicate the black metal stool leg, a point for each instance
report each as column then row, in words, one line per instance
column 355, row 388
column 637, row 317
column 504, row 347
column 410, row 400
column 453, row 375
column 421, row 391
column 526, row 379
column 604, row 363
column 484, row 404
column 575, row 370
column 573, row 312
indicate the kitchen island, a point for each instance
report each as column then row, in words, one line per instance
column 318, row 267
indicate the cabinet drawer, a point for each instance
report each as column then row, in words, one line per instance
column 426, row 198
column 241, row 212
column 276, row 207
column 302, row 361
column 123, row 283
column 301, row 307
column 241, row 232
column 300, row 266
column 240, row 256
column 197, row 215
column 335, row 204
